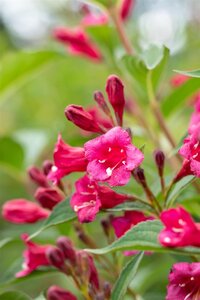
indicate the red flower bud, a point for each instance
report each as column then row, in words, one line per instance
column 66, row 246
column 37, row 176
column 99, row 98
column 82, row 118
column 55, row 257
column 48, row 197
column 115, row 92
column 139, row 175
column 159, row 160
column 47, row 165
column 57, row 293
column 126, row 8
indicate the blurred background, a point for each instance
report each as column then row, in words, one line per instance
column 38, row 79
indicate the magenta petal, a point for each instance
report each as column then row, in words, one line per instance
column 120, row 176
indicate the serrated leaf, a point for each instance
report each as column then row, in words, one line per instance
column 143, row 237
column 179, row 187
column 178, row 96
column 61, row 213
column 14, row 295
column 125, row 277
column 192, row 73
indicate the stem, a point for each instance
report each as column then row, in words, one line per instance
column 162, row 183
column 120, row 29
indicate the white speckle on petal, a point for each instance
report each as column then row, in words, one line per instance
column 54, row 169
column 181, row 284
column 102, row 161
column 109, row 149
column 109, row 171
column 167, row 239
column 191, row 278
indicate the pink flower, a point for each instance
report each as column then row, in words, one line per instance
column 184, row 282
column 22, row 211
column 112, row 157
column 48, row 197
column 115, row 92
column 191, row 152
column 67, row 159
column 178, row 79
column 93, row 19
column 78, row 42
column 90, row 197
column 126, row 8
column 195, row 118
column 122, row 224
column 57, row 293
column 83, row 119
column 180, row 229
column 131, row 218
column 34, row 257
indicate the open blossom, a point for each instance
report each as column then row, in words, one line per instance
column 90, row 197
column 58, row 293
column 34, row 256
column 48, row 197
column 126, row 8
column 191, row 152
column 111, row 157
column 78, row 42
column 180, row 229
column 21, row 211
column 184, row 282
column 195, row 117
column 67, row 159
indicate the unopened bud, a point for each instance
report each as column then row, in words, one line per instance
column 47, row 166
column 126, row 8
column 99, row 98
column 37, row 176
column 57, row 293
column 82, row 118
column 107, row 289
column 159, row 160
column 56, row 257
column 66, row 246
column 115, row 92
column 139, row 175
column 48, row 197
column 129, row 132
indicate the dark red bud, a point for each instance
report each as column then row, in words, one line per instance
column 115, row 92
column 107, row 289
column 56, row 257
column 159, row 160
column 37, row 176
column 48, row 197
column 66, row 246
column 99, row 98
column 57, row 293
column 126, row 8
column 139, row 175
column 47, row 165
column 82, row 118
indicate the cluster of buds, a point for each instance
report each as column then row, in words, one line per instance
column 67, row 259
column 22, row 211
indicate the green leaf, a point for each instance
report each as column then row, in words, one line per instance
column 178, row 188
column 11, row 152
column 136, row 205
column 125, row 277
column 152, row 56
column 5, row 242
column 18, row 68
column 158, row 71
column 143, row 237
column 61, row 213
column 192, row 73
column 177, row 98
column 14, row 295
column 136, row 68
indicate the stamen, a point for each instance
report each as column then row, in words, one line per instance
column 181, row 284
column 102, row 161
column 122, row 150
column 85, row 204
column 123, row 162
column 54, row 168
column 109, row 149
column 177, row 229
column 181, row 222
column 167, row 239
column 191, row 278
